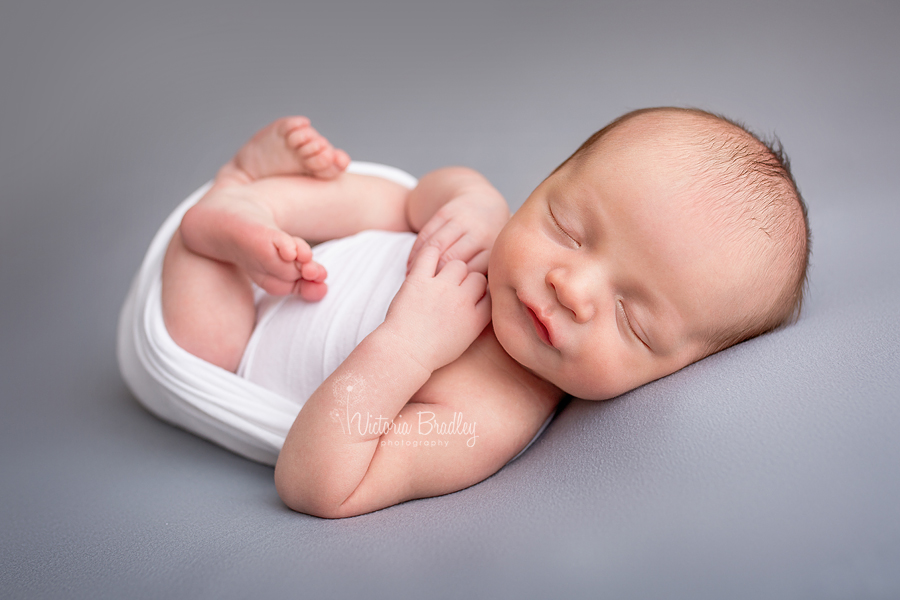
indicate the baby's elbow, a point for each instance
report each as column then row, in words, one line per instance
column 309, row 499
column 295, row 493
column 312, row 507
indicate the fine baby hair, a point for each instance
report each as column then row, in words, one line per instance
column 747, row 181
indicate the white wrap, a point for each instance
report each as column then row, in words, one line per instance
column 211, row 402
column 296, row 345
column 187, row 391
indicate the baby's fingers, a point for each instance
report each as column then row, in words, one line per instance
column 479, row 262
column 468, row 250
column 474, row 283
column 441, row 237
column 428, row 230
column 425, row 264
column 454, row 271
column 483, row 307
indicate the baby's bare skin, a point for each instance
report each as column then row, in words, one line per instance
column 253, row 226
column 606, row 278
column 289, row 146
column 234, row 225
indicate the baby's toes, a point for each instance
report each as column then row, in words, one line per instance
column 341, row 159
column 311, row 291
column 316, row 154
column 302, row 251
column 297, row 131
column 291, row 248
column 312, row 271
column 286, row 247
column 289, row 125
column 329, row 163
column 307, row 142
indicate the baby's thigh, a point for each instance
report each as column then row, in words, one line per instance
column 208, row 306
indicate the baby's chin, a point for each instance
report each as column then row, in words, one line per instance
column 588, row 394
column 583, row 388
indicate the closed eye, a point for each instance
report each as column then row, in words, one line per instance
column 560, row 227
column 621, row 308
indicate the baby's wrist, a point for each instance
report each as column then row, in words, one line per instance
column 395, row 341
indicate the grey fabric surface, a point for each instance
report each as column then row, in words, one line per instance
column 767, row 471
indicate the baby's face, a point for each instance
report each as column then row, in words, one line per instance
column 604, row 279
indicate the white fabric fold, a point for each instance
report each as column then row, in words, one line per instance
column 189, row 392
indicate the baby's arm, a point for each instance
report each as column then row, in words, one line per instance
column 331, row 470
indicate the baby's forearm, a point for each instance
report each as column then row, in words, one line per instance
column 439, row 187
column 327, row 451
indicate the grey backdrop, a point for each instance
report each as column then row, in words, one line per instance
column 767, row 471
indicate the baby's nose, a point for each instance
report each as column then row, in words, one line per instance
column 573, row 292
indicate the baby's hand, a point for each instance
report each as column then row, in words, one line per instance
column 439, row 311
column 463, row 229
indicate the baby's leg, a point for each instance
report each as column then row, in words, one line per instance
column 207, row 305
column 294, row 174
column 231, row 238
column 283, row 187
column 224, row 242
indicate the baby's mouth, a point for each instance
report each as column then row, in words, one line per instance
column 542, row 331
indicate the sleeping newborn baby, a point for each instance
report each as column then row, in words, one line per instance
column 667, row 236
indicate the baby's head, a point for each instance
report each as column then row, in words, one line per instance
column 669, row 235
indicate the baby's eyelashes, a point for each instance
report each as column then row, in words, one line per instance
column 562, row 229
column 630, row 325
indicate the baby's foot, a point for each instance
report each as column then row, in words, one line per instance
column 290, row 146
column 236, row 230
